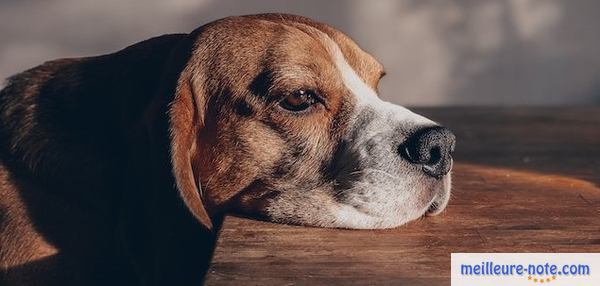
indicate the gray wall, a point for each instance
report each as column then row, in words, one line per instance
column 534, row 52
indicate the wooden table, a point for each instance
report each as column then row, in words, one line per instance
column 525, row 180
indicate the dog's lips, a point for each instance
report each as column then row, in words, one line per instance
column 440, row 199
column 433, row 209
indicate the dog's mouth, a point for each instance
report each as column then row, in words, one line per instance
column 440, row 200
column 433, row 209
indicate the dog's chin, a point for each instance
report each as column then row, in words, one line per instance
column 432, row 201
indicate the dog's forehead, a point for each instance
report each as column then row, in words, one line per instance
column 336, row 42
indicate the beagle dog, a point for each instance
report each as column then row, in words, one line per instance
column 115, row 168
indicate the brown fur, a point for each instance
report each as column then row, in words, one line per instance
column 97, row 153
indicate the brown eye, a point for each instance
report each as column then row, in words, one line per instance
column 299, row 100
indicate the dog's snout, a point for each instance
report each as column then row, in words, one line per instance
column 432, row 148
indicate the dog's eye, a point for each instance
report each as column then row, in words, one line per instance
column 299, row 100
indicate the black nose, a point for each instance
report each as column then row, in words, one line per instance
column 431, row 147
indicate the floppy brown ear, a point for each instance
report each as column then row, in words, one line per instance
column 186, row 116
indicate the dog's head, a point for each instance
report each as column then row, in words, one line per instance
column 277, row 116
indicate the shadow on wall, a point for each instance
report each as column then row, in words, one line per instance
column 436, row 53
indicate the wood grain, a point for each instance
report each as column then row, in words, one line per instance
column 525, row 180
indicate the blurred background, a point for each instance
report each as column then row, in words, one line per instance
column 436, row 53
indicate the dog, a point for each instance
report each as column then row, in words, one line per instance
column 115, row 169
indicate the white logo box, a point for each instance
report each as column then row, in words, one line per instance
column 552, row 269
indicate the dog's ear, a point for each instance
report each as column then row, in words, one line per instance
column 186, row 118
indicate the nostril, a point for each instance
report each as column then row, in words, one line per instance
column 435, row 155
